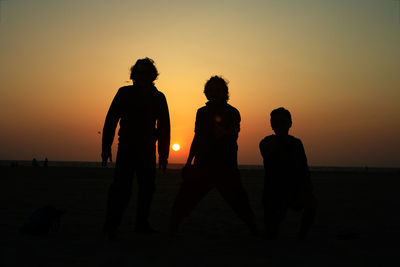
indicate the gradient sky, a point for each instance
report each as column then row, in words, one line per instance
column 334, row 64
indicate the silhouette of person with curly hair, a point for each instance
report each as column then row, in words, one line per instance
column 142, row 112
column 214, row 150
column 287, row 177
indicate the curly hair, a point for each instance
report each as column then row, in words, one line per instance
column 216, row 83
column 144, row 69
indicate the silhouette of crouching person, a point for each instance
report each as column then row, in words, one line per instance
column 142, row 112
column 214, row 150
column 287, row 182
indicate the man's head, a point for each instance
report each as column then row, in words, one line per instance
column 144, row 71
column 281, row 121
column 216, row 89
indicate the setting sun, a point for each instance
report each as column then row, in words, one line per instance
column 176, row 147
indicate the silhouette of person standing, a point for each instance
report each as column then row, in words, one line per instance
column 287, row 178
column 214, row 149
column 142, row 112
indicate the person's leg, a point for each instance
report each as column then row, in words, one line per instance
column 146, row 176
column 231, row 189
column 275, row 209
column 193, row 188
column 119, row 192
column 273, row 218
column 310, row 208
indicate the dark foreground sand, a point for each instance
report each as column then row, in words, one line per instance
column 362, row 206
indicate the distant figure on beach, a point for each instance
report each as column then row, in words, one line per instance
column 287, row 177
column 143, row 114
column 214, row 149
column 46, row 162
column 35, row 162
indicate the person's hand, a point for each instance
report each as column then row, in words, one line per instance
column 105, row 156
column 162, row 164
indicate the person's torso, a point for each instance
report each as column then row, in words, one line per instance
column 282, row 159
column 140, row 109
column 217, row 128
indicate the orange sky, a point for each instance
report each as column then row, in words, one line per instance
column 335, row 66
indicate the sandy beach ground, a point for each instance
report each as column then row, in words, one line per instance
column 358, row 223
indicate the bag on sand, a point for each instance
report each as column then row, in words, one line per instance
column 42, row 221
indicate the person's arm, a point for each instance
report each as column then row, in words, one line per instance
column 305, row 172
column 262, row 152
column 164, row 134
column 232, row 131
column 261, row 147
column 195, row 142
column 112, row 118
column 236, row 125
column 192, row 152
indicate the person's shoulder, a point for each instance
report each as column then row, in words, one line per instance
column 201, row 114
column 158, row 92
column 232, row 108
column 125, row 89
column 123, row 93
column 160, row 95
column 267, row 140
column 202, row 109
column 295, row 141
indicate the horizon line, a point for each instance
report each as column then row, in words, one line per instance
column 7, row 162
